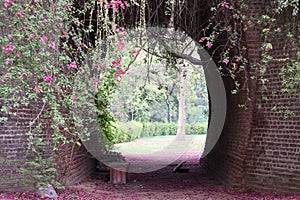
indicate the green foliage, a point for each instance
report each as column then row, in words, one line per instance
column 133, row 130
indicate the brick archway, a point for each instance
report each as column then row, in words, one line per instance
column 258, row 149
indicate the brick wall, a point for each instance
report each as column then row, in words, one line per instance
column 259, row 150
column 74, row 163
column 14, row 145
column 274, row 145
column 13, row 152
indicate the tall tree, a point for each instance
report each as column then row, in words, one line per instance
column 180, row 135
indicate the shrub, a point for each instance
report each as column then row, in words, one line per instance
column 133, row 130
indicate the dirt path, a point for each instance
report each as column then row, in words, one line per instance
column 164, row 185
column 157, row 185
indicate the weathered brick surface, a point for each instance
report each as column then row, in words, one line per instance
column 259, row 150
column 14, row 146
column 74, row 164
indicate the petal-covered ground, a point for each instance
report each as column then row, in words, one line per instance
column 162, row 184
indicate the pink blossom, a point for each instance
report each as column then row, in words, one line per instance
column 121, row 71
column 74, row 98
column 9, row 36
column 225, row 4
column 32, row 35
column 126, row 3
column 7, row 3
column 121, row 45
column 9, row 47
column 209, row 45
column 122, row 6
column 24, row 28
column 202, row 39
column 20, row 14
column 59, row 89
column 72, row 65
column 108, row 4
column 268, row 47
column 48, row 78
column 36, row 1
column 226, row 61
column 52, row 45
column 45, row 69
column 45, row 20
column 117, row 76
column 7, row 61
column 37, row 89
column 43, row 39
column 4, row 78
column 18, row 54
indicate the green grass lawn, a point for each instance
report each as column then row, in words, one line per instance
column 162, row 143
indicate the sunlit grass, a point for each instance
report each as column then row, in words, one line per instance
column 162, row 143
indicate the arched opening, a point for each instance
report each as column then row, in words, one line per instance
column 147, row 105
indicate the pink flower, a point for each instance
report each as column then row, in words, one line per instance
column 32, row 35
column 24, row 28
column 108, row 4
column 74, row 98
column 279, row 29
column 45, row 20
column 20, row 14
column 52, row 45
column 18, row 54
column 45, row 69
column 37, row 89
column 9, row 47
column 121, row 71
column 48, row 78
column 121, row 45
column 36, row 1
column 7, row 61
column 226, row 61
column 9, row 36
column 4, row 78
column 209, row 45
column 72, row 65
column 268, row 47
column 7, row 3
column 117, row 76
column 43, row 39
column 225, row 4
column 202, row 39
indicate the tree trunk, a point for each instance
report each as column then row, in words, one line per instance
column 182, row 104
column 168, row 107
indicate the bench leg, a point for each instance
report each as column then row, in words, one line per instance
column 118, row 173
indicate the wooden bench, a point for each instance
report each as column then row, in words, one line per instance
column 117, row 166
column 118, row 173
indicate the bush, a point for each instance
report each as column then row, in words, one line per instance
column 133, row 130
